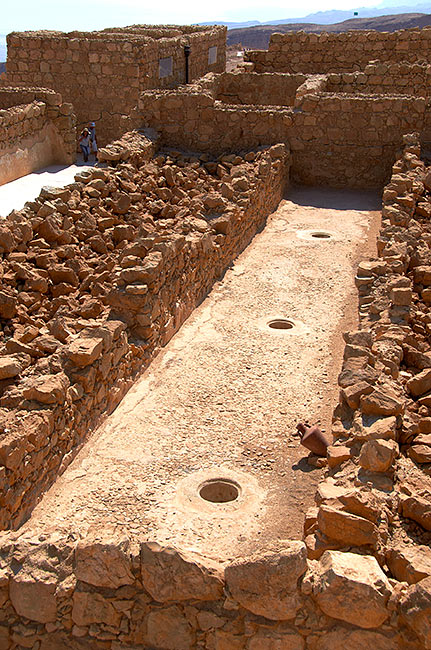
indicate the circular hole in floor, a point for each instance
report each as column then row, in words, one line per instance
column 320, row 234
column 219, row 490
column 280, row 324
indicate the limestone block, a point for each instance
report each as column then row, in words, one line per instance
column 7, row 305
column 410, row 563
column 415, row 610
column 267, row 585
column 9, row 367
column 84, row 351
column 352, row 588
column 91, row 608
column 418, row 509
column 342, row 639
column 378, row 455
column 276, row 640
column 33, row 596
column 337, row 455
column 47, row 389
column 104, row 563
column 382, row 401
column 168, row 629
column 383, row 428
column 172, row 576
column 352, row 394
column 420, row 453
column 345, row 527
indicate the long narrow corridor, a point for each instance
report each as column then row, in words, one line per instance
column 223, row 397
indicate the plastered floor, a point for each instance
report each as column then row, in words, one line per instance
column 223, row 397
column 14, row 195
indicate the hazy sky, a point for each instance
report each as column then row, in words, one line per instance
column 66, row 15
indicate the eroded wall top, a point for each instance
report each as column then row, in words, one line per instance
column 348, row 51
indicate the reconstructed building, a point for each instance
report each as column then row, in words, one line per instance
column 103, row 73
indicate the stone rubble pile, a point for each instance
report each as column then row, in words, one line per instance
column 96, row 277
column 376, row 498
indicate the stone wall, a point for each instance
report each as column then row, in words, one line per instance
column 336, row 139
column 103, row 73
column 252, row 88
column 38, row 130
column 345, row 52
column 384, row 78
column 97, row 277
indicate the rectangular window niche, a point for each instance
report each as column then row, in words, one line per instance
column 212, row 55
column 165, row 67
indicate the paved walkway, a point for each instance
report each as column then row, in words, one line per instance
column 14, row 195
column 223, row 397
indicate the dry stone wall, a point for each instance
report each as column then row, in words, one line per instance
column 252, row 88
column 96, row 277
column 336, row 139
column 298, row 52
column 38, row 129
column 103, row 73
column 383, row 78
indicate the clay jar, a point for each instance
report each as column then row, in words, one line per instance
column 313, row 439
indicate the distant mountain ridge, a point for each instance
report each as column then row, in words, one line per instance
column 257, row 37
column 332, row 16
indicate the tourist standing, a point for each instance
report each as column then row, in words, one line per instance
column 93, row 142
column 84, row 143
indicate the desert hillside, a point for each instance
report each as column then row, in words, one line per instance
column 258, row 37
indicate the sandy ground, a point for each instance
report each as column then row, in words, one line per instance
column 14, row 195
column 223, row 397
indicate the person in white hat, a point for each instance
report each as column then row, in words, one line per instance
column 93, row 142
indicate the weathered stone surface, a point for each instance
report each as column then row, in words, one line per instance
column 346, row 527
column 337, row 454
column 33, row 596
column 83, row 351
column 277, row 639
column 410, row 563
column 342, row 639
column 7, row 305
column 420, row 383
column 382, row 401
column 47, row 389
column 417, row 509
column 168, row 629
column 352, row 588
column 352, row 394
column 420, row 453
column 171, row 576
column 103, row 563
column 9, row 367
column 415, row 609
column 91, row 608
column 267, row 585
column 383, row 428
column 378, row 455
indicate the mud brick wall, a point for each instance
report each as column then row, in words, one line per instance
column 103, row 73
column 348, row 51
column 97, row 277
column 38, row 129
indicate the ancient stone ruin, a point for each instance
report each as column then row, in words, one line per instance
column 99, row 275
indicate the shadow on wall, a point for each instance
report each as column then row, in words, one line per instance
column 335, row 200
